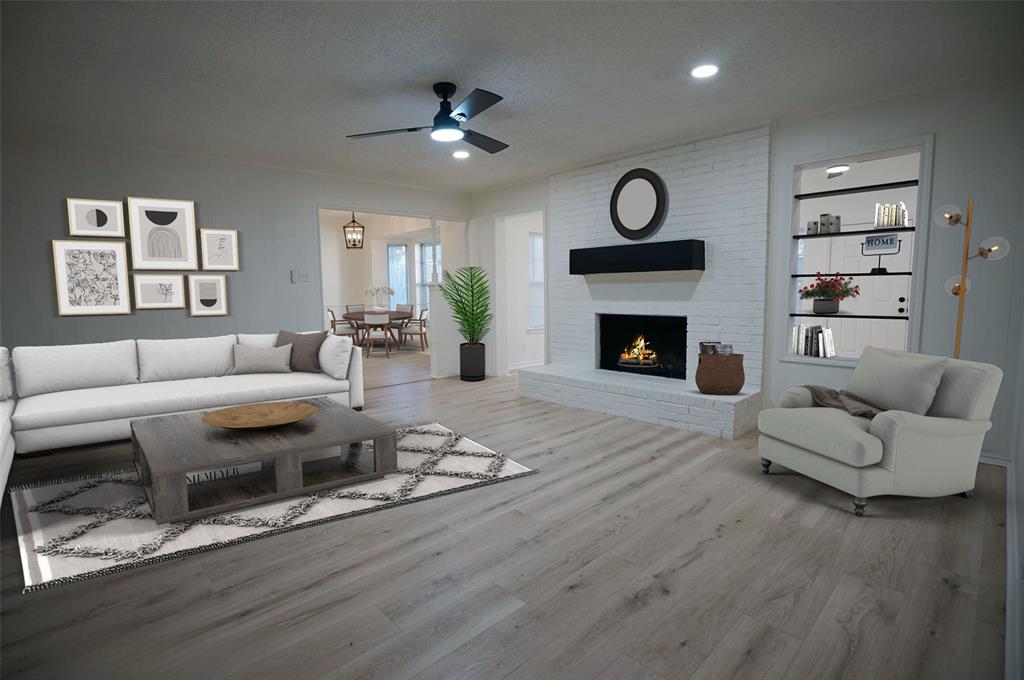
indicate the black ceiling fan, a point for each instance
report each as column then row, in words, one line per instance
column 446, row 123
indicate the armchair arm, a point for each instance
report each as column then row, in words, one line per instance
column 796, row 397
column 929, row 456
column 892, row 423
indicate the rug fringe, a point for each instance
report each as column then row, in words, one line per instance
column 118, row 568
column 70, row 479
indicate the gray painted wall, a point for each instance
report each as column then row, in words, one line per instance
column 275, row 211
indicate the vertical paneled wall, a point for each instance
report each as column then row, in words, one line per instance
column 274, row 210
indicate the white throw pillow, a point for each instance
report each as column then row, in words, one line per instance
column 906, row 382
column 252, row 359
column 57, row 368
column 335, row 355
column 257, row 339
column 185, row 358
column 6, row 376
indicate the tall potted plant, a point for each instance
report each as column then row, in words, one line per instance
column 469, row 296
column 828, row 292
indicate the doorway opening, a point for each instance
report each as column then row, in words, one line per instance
column 392, row 275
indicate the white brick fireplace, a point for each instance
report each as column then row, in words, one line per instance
column 718, row 192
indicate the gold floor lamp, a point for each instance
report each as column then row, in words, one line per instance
column 991, row 249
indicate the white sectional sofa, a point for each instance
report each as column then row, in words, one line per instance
column 70, row 395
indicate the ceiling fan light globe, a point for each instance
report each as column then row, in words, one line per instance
column 447, row 134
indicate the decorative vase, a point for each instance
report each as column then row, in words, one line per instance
column 720, row 373
column 826, row 306
column 471, row 362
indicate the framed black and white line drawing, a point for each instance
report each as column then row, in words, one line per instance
column 639, row 203
column 219, row 248
column 91, row 278
column 208, row 294
column 159, row 291
column 95, row 217
column 163, row 233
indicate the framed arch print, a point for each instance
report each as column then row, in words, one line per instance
column 639, row 203
column 219, row 249
column 94, row 217
column 163, row 233
column 207, row 295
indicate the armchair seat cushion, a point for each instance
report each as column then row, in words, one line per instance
column 828, row 432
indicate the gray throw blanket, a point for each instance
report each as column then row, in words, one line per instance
column 841, row 399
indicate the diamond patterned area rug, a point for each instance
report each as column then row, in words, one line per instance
column 72, row 530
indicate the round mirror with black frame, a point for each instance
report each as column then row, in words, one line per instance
column 639, row 203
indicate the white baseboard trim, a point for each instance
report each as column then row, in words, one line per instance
column 1014, row 664
column 992, row 459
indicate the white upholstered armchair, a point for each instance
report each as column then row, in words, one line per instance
column 926, row 443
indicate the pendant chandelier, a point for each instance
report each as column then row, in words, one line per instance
column 354, row 233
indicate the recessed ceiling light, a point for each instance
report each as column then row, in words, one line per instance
column 836, row 170
column 704, row 71
column 460, row 154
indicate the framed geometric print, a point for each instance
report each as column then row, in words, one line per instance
column 92, row 217
column 207, row 294
column 163, row 233
column 91, row 278
column 219, row 249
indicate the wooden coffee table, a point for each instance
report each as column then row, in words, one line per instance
column 321, row 452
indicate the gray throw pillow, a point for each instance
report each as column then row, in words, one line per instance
column 898, row 381
column 250, row 359
column 305, row 349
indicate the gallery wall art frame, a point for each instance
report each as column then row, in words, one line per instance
column 95, row 217
column 91, row 278
column 207, row 294
column 219, row 249
column 159, row 291
column 163, row 233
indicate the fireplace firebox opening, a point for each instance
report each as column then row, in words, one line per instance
column 643, row 344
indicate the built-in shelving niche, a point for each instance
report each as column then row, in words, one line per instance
column 880, row 316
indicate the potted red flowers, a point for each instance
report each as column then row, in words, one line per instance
column 828, row 291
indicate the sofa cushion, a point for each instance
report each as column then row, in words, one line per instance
column 901, row 383
column 185, row 358
column 335, row 355
column 6, row 375
column 257, row 339
column 251, row 359
column 57, row 368
column 155, row 398
column 305, row 349
column 829, row 432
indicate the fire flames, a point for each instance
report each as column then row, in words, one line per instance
column 639, row 353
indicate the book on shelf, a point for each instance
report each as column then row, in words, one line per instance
column 812, row 341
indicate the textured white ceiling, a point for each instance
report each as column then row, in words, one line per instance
column 283, row 84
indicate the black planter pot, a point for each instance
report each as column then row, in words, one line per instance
column 826, row 306
column 471, row 362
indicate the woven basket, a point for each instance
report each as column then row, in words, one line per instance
column 720, row 373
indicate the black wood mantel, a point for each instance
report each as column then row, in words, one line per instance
column 660, row 256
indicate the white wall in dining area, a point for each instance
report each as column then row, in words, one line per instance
column 718, row 192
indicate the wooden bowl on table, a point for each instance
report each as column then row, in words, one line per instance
column 260, row 416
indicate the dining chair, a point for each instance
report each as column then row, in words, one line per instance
column 396, row 326
column 354, row 308
column 377, row 327
column 417, row 327
column 344, row 327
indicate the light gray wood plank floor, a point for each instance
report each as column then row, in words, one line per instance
column 637, row 552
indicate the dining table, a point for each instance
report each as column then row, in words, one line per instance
column 358, row 318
